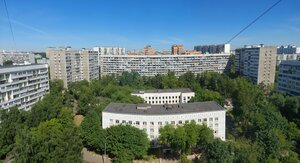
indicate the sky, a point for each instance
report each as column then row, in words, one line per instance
column 38, row 24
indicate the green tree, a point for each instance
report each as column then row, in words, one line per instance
column 51, row 141
column 125, row 143
column 218, row 152
column 8, row 63
column 11, row 121
column 246, row 151
column 93, row 136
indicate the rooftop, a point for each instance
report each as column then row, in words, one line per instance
column 183, row 90
column 290, row 62
column 146, row 109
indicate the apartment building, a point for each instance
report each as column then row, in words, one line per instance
column 151, row 118
column 257, row 63
column 73, row 65
column 148, row 50
column 212, row 49
column 151, row 65
column 165, row 96
column 177, row 49
column 106, row 50
column 23, row 86
column 288, row 49
column 289, row 77
column 286, row 57
column 18, row 58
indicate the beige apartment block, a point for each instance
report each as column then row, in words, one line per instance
column 73, row 65
column 257, row 62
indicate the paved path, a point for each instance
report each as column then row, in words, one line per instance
column 92, row 157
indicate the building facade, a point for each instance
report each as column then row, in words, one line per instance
column 212, row 49
column 148, row 50
column 165, row 96
column 18, row 58
column 151, row 65
column 288, row 50
column 286, row 57
column 289, row 77
column 72, row 65
column 150, row 118
column 177, row 49
column 106, row 50
column 23, row 86
column 256, row 62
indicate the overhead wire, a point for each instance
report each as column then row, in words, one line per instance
column 255, row 20
column 11, row 29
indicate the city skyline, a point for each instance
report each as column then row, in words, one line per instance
column 134, row 24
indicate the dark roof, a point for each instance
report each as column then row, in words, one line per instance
column 290, row 62
column 182, row 108
column 183, row 90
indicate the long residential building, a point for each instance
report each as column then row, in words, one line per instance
column 289, row 77
column 151, row 118
column 107, row 50
column 212, row 49
column 165, row 96
column 18, row 58
column 288, row 50
column 23, row 86
column 73, row 65
column 151, row 65
column 256, row 62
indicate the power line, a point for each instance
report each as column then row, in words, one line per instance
column 251, row 23
column 11, row 30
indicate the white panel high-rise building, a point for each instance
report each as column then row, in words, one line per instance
column 23, row 86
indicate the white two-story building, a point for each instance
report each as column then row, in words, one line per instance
column 165, row 96
column 150, row 118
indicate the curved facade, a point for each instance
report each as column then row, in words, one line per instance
column 152, row 117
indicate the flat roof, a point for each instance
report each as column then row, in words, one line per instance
column 15, row 68
column 183, row 90
column 183, row 108
column 290, row 62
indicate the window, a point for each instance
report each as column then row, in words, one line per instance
column 137, row 122
column 117, row 121
column 166, row 122
column 216, row 119
column 210, row 119
column 152, row 123
column 173, row 122
column 144, row 123
column 151, row 130
column 130, row 122
column 186, row 121
column 179, row 122
column 160, row 123
column 199, row 120
column 123, row 121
